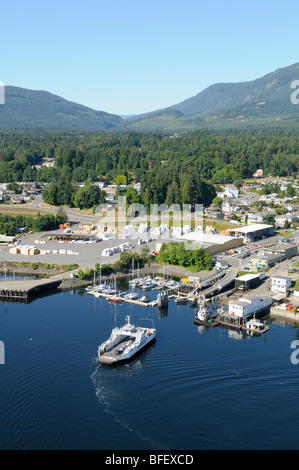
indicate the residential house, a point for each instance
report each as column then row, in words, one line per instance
column 281, row 283
column 231, row 191
column 214, row 212
column 281, row 219
column 258, row 173
column 230, row 206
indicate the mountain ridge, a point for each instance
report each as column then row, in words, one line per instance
column 25, row 108
column 263, row 101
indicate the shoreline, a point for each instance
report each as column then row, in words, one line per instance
column 69, row 283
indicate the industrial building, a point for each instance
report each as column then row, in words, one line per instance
column 248, row 281
column 211, row 243
column 251, row 233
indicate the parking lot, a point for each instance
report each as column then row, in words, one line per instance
column 85, row 253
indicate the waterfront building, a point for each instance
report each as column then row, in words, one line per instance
column 248, row 305
column 281, row 283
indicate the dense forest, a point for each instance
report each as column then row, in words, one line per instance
column 173, row 169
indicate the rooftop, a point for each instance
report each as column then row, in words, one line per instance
column 207, row 238
column 247, row 277
column 285, row 278
column 252, row 228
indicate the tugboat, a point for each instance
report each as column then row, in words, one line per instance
column 205, row 315
column 125, row 342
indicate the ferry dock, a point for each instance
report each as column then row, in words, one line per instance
column 24, row 289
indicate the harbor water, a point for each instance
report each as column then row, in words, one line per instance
column 194, row 388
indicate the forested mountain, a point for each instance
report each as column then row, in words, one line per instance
column 39, row 109
column 262, row 102
column 229, row 104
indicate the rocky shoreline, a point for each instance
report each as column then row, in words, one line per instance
column 69, row 282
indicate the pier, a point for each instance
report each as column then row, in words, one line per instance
column 24, row 289
column 238, row 322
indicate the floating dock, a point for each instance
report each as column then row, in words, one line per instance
column 151, row 303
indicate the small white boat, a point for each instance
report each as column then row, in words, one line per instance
column 145, row 298
column 147, row 286
column 125, row 342
column 131, row 296
column 171, row 284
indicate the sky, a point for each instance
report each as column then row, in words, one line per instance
column 135, row 56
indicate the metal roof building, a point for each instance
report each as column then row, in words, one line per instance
column 253, row 232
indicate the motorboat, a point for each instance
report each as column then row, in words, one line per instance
column 114, row 299
column 131, row 296
column 145, row 298
column 147, row 286
column 171, row 284
column 125, row 342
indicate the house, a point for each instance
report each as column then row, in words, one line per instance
column 258, row 173
column 282, row 219
column 281, row 283
column 214, row 212
column 137, row 186
column 256, row 217
column 100, row 184
column 110, row 191
column 231, row 192
column 230, row 206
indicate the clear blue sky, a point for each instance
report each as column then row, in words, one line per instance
column 135, row 56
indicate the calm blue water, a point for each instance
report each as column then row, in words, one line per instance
column 192, row 389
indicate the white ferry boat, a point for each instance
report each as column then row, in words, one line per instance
column 125, row 342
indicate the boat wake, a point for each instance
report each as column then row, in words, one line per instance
column 106, row 395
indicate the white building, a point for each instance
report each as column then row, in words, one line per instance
column 228, row 206
column 281, row 283
column 248, row 305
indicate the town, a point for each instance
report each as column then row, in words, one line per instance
column 249, row 230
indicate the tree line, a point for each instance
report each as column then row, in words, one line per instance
column 182, row 169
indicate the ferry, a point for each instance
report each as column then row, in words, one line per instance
column 125, row 342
